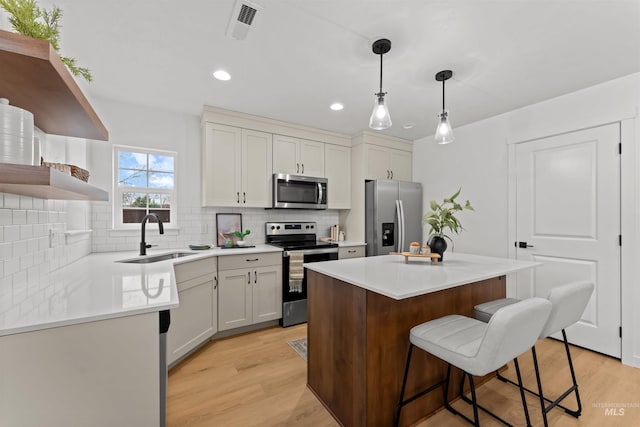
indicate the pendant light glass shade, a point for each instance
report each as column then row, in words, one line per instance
column 444, row 132
column 380, row 117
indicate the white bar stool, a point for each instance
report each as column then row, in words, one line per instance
column 568, row 304
column 478, row 348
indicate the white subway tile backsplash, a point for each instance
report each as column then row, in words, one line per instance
column 6, row 217
column 11, row 233
column 26, row 232
column 11, row 201
column 19, row 217
column 26, row 202
column 32, row 217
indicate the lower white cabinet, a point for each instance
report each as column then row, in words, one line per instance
column 250, row 294
column 351, row 252
column 196, row 319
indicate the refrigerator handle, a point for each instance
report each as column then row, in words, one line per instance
column 400, row 231
column 402, row 236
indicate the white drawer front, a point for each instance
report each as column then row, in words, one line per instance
column 231, row 262
column 351, row 252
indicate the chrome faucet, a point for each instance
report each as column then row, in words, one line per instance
column 143, row 244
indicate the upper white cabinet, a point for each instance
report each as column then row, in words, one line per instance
column 298, row 156
column 236, row 167
column 338, row 171
column 387, row 163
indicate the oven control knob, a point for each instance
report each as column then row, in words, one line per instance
column 278, row 227
column 307, row 227
column 273, row 227
column 312, row 226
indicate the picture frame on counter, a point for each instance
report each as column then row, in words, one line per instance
column 226, row 224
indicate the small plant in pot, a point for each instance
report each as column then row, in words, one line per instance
column 241, row 235
column 442, row 217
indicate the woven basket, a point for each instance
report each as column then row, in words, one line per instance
column 79, row 173
column 73, row 170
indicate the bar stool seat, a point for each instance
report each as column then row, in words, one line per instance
column 568, row 303
column 476, row 347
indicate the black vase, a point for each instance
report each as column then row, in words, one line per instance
column 438, row 245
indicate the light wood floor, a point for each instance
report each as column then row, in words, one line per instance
column 257, row 379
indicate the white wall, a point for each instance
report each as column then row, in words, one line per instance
column 478, row 162
column 142, row 126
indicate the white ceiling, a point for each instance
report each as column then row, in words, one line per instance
column 302, row 55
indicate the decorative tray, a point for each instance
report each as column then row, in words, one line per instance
column 407, row 255
column 237, row 247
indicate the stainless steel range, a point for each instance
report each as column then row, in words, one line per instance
column 300, row 244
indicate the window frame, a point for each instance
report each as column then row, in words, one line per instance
column 119, row 190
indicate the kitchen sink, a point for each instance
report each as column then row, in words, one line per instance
column 155, row 258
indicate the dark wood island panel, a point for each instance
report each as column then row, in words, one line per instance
column 358, row 342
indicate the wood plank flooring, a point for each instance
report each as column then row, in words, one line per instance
column 257, row 379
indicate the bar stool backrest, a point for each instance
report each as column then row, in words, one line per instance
column 569, row 302
column 511, row 331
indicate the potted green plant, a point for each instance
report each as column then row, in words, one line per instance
column 442, row 217
column 27, row 18
column 241, row 235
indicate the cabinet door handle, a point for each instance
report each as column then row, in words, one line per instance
column 256, row 276
column 387, row 174
column 303, row 168
column 252, row 260
column 297, row 167
column 391, row 174
column 238, row 197
column 351, row 251
column 244, row 197
column 248, row 278
column 215, row 280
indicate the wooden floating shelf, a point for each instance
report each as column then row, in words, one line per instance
column 46, row 183
column 33, row 77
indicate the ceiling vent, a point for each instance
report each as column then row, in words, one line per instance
column 241, row 18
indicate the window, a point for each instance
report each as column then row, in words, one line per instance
column 144, row 183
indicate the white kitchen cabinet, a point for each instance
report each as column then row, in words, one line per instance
column 351, row 252
column 338, row 172
column 236, row 167
column 298, row 156
column 387, row 163
column 250, row 289
column 196, row 319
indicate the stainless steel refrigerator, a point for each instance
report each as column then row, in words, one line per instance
column 393, row 217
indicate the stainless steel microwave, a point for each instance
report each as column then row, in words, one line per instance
column 299, row 192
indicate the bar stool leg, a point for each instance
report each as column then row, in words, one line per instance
column 475, row 401
column 573, row 377
column 542, row 404
column 524, row 399
column 404, row 384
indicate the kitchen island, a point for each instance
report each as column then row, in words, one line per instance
column 360, row 314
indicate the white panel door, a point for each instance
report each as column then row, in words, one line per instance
column 257, row 154
column 401, row 165
column 285, row 155
column 568, row 215
column 338, row 173
column 378, row 162
column 267, row 293
column 235, row 298
column 312, row 158
column 221, row 165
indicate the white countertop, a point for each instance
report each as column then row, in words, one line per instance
column 350, row 243
column 97, row 287
column 388, row 275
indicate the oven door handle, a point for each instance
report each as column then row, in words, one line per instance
column 314, row 252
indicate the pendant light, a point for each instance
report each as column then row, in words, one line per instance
column 380, row 118
column 444, row 132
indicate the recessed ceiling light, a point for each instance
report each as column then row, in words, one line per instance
column 336, row 106
column 221, row 75
column 408, row 125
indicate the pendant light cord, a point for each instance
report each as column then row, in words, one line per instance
column 443, row 95
column 380, row 74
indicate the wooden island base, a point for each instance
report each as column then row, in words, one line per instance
column 358, row 342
